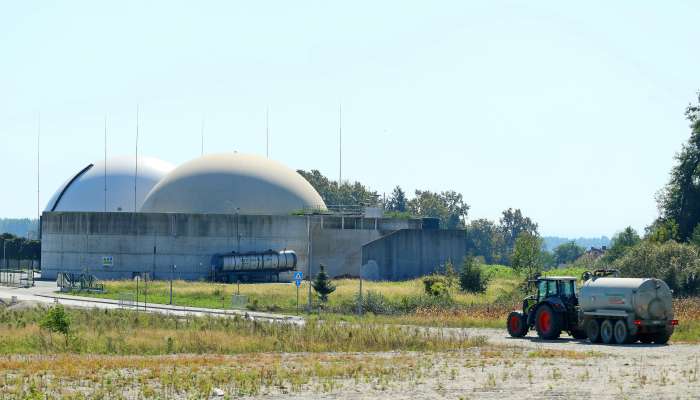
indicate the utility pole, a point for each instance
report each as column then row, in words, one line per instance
column 308, row 258
column 145, row 290
column 136, row 159
column 105, row 168
column 359, row 297
column 172, row 275
column 340, row 145
column 202, row 133
column 267, row 131
column 38, row 158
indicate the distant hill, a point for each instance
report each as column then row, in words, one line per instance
column 23, row 227
column 551, row 242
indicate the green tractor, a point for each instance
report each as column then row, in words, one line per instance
column 552, row 310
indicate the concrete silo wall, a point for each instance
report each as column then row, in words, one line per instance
column 153, row 242
column 410, row 253
column 145, row 242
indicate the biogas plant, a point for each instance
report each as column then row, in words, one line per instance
column 226, row 217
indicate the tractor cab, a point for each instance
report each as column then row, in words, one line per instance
column 550, row 311
column 563, row 287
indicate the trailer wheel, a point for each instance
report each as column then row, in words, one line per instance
column 593, row 331
column 607, row 332
column 517, row 326
column 547, row 323
column 661, row 337
column 622, row 333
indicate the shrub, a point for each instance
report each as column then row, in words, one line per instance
column 436, row 285
column 677, row 264
column 376, row 303
column 471, row 278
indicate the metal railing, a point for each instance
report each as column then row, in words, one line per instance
column 17, row 277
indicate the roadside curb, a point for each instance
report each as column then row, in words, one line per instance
column 155, row 306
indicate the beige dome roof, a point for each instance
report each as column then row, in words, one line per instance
column 232, row 183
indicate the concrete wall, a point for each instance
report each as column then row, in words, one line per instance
column 410, row 253
column 148, row 242
column 153, row 242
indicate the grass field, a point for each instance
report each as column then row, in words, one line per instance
column 402, row 302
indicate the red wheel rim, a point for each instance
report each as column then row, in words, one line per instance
column 514, row 324
column 545, row 321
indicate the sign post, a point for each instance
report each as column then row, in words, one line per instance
column 298, row 276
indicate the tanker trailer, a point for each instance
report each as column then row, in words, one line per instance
column 624, row 310
column 254, row 265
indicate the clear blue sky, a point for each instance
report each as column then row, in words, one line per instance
column 571, row 112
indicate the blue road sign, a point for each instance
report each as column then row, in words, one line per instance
column 298, row 276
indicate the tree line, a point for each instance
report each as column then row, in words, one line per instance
column 448, row 206
column 19, row 248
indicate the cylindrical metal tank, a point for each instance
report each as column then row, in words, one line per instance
column 285, row 260
column 647, row 298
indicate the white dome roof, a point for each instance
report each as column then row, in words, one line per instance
column 85, row 191
column 232, row 183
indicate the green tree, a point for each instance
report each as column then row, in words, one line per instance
column 662, row 231
column 398, row 201
column 567, row 253
column 347, row 194
column 56, row 320
column 678, row 264
column 620, row 243
column 679, row 201
column 471, row 278
column 512, row 224
column 547, row 259
column 695, row 237
column 485, row 239
column 527, row 254
column 448, row 206
column 322, row 285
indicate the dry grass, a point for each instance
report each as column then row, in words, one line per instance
column 687, row 312
column 128, row 332
column 195, row 376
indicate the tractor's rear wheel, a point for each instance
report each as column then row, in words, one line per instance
column 593, row 331
column 516, row 325
column 607, row 332
column 622, row 333
column 547, row 323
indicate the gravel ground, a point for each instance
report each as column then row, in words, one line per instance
column 529, row 368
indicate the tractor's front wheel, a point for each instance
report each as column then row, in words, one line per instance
column 547, row 323
column 516, row 325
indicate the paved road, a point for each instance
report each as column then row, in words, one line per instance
column 46, row 292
